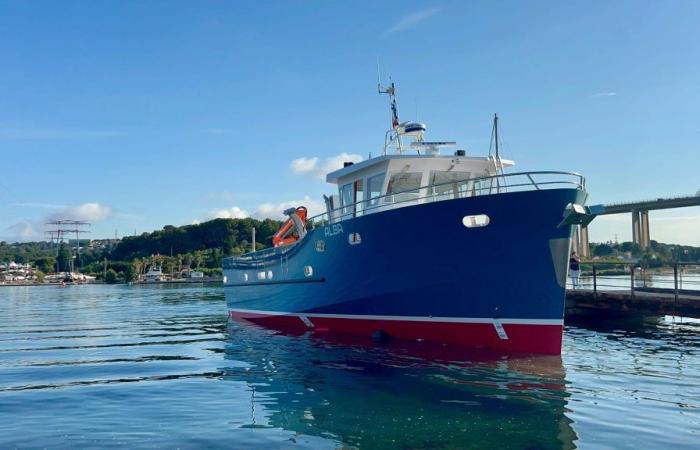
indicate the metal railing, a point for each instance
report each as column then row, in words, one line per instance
column 678, row 278
column 257, row 259
column 468, row 187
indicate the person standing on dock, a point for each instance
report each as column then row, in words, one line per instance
column 574, row 269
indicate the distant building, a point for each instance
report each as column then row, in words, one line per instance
column 103, row 243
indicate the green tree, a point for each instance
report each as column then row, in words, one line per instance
column 129, row 273
column 197, row 260
column 39, row 276
column 45, row 263
column 111, row 277
column 63, row 258
column 603, row 250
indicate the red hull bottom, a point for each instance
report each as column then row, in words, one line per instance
column 507, row 337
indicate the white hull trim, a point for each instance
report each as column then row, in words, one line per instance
column 489, row 320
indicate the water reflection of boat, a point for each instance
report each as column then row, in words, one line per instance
column 400, row 395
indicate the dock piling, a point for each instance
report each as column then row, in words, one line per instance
column 632, row 280
column 595, row 284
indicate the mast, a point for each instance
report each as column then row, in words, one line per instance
column 391, row 92
column 495, row 131
column 497, row 159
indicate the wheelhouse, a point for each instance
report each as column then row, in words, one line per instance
column 389, row 181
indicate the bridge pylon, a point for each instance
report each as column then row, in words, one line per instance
column 640, row 228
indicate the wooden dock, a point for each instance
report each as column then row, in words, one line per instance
column 615, row 303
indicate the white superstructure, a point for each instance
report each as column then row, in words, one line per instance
column 412, row 173
column 154, row 274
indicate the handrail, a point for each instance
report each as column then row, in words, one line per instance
column 675, row 284
column 484, row 184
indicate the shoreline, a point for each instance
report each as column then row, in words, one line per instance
column 101, row 283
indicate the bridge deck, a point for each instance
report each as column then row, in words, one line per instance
column 648, row 205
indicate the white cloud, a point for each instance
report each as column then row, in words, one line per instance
column 91, row 212
column 233, row 212
column 313, row 166
column 410, row 20
column 32, row 230
column 276, row 210
column 336, row 162
column 604, row 94
column 304, row 165
column 22, row 232
column 267, row 210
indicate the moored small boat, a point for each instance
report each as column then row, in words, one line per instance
column 154, row 274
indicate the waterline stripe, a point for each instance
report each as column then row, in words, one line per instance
column 407, row 318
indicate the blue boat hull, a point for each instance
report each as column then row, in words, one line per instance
column 418, row 273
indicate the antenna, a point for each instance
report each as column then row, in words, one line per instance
column 498, row 165
column 495, row 132
column 387, row 90
column 391, row 136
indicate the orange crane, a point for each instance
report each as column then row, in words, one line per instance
column 284, row 236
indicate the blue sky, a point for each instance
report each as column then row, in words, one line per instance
column 135, row 115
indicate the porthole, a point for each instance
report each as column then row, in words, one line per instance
column 308, row 271
column 476, row 221
column 269, row 274
column 245, row 277
column 261, row 275
column 320, row 246
column 354, row 238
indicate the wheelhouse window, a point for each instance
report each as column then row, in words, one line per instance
column 453, row 184
column 405, row 182
column 346, row 195
column 359, row 196
column 374, row 189
column 404, row 186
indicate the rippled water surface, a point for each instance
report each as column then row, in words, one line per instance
column 156, row 366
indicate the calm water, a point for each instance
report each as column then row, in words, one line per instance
column 152, row 367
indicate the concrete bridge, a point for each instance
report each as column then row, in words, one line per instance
column 640, row 219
